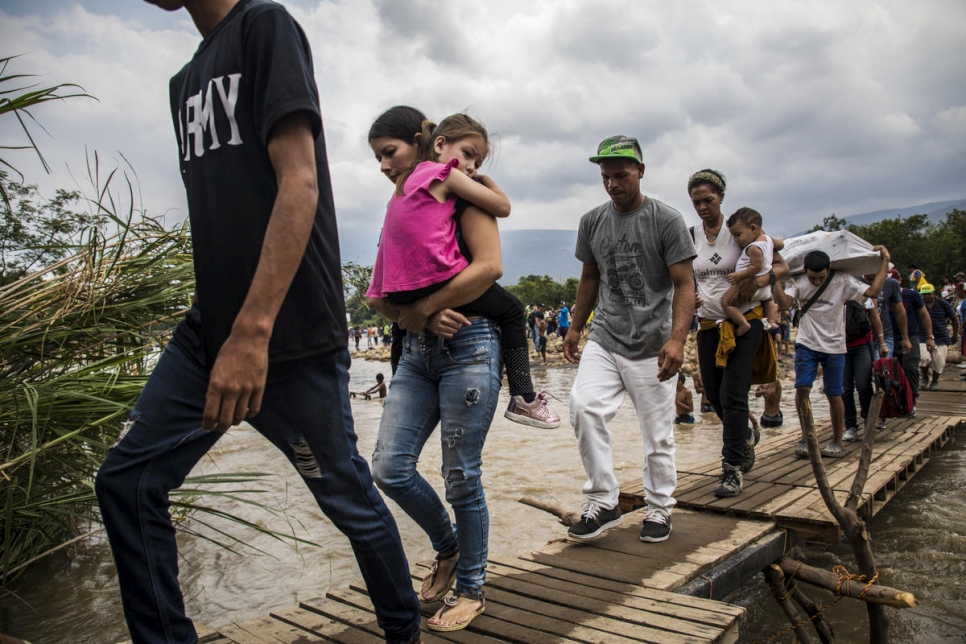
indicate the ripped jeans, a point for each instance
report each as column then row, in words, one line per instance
column 306, row 415
column 454, row 383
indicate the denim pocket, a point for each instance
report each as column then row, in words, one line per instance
column 471, row 350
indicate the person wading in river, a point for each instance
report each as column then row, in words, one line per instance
column 636, row 254
column 266, row 338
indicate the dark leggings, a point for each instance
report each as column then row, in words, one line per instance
column 727, row 388
column 506, row 311
column 857, row 377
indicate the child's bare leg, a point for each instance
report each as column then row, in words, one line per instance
column 729, row 304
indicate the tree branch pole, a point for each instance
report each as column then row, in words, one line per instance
column 876, row 594
column 865, row 459
column 565, row 516
column 852, row 526
column 776, row 579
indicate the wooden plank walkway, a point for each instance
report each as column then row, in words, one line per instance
column 781, row 488
column 614, row 589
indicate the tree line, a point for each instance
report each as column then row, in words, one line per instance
column 938, row 249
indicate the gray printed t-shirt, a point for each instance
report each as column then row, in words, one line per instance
column 632, row 251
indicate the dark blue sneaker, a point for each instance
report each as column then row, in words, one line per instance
column 594, row 522
column 657, row 526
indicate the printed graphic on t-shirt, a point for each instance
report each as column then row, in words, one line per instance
column 624, row 267
column 197, row 118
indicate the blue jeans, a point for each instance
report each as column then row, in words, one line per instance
column 454, row 383
column 306, row 415
column 857, row 377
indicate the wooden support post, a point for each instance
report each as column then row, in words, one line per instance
column 822, row 625
column 852, row 526
column 776, row 579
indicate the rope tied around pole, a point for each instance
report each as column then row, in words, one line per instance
column 846, row 578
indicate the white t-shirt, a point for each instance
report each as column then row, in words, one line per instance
column 822, row 327
column 714, row 261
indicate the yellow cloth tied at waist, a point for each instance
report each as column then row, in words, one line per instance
column 765, row 369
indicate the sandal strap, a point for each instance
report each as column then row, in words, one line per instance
column 454, row 598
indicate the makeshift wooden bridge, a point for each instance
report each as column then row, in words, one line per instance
column 616, row 589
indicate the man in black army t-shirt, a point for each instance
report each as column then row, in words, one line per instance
column 266, row 339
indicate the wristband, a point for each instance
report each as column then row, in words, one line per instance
column 772, row 278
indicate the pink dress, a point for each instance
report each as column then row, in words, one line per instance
column 418, row 244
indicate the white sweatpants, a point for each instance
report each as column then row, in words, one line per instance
column 602, row 379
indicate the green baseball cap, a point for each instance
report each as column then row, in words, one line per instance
column 618, row 147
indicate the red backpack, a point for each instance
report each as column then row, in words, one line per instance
column 890, row 378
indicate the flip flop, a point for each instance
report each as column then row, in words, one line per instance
column 450, row 602
column 435, row 571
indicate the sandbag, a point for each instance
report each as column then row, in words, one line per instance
column 849, row 252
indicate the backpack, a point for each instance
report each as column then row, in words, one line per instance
column 890, row 378
column 857, row 322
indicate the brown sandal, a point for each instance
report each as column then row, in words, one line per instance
column 451, row 602
column 434, row 571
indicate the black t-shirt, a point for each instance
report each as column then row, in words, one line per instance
column 252, row 69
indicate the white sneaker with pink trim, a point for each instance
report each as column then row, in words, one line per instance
column 535, row 413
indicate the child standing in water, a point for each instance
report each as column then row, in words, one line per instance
column 419, row 251
column 755, row 259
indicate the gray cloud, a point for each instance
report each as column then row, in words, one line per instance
column 808, row 108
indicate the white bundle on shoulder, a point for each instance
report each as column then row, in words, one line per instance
column 849, row 252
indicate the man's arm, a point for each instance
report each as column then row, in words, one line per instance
column 782, row 299
column 237, row 380
column 878, row 331
column 902, row 320
column 880, row 277
column 671, row 356
column 587, row 291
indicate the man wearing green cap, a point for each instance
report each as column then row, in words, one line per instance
column 636, row 254
column 940, row 313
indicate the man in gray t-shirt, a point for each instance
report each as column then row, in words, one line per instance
column 636, row 254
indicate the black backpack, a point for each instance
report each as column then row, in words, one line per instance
column 857, row 322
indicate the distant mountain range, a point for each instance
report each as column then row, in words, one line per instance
column 937, row 211
column 551, row 252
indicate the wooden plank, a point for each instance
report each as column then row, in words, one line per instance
column 588, row 625
column 527, row 583
column 326, row 627
column 592, row 582
column 684, row 621
column 512, row 624
column 275, row 631
column 239, row 635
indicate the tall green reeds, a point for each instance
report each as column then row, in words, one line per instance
column 76, row 342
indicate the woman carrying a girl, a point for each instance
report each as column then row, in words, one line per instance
column 450, row 368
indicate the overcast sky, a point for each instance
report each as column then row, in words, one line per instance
column 809, row 108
